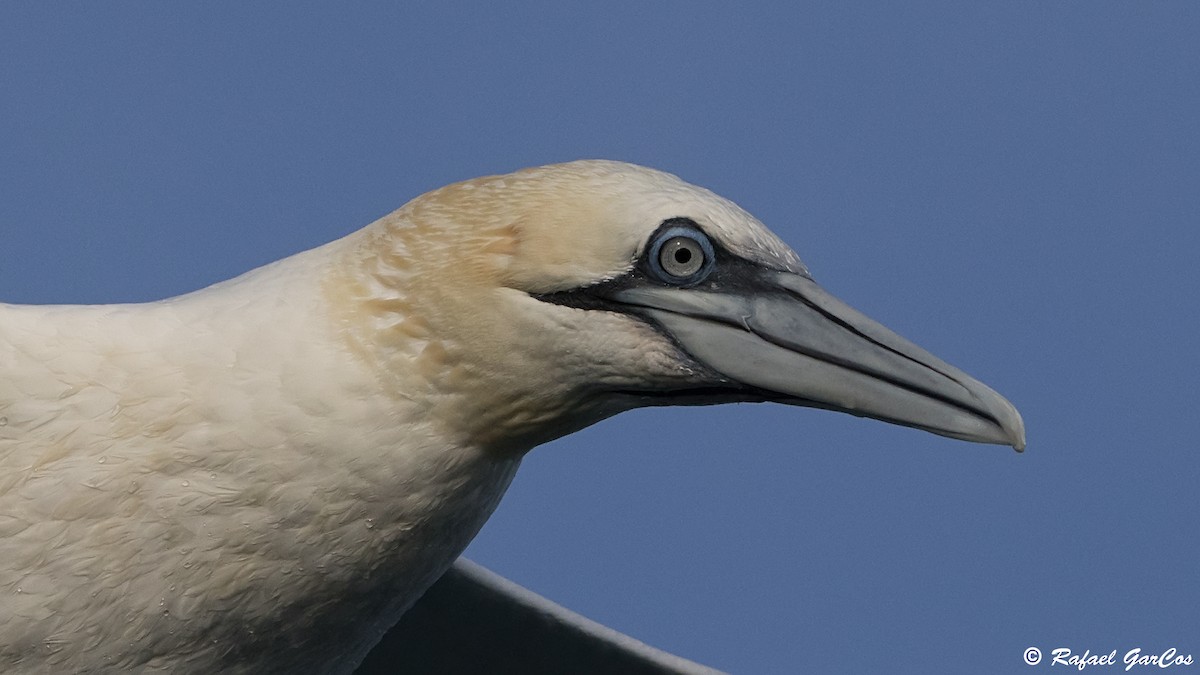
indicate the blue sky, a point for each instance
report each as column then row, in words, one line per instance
column 1014, row 186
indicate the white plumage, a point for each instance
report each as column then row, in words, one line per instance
column 262, row 475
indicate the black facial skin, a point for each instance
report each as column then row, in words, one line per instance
column 730, row 273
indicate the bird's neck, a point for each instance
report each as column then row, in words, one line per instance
column 233, row 453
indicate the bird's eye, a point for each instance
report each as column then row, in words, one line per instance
column 681, row 255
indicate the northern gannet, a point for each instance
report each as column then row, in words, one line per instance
column 263, row 475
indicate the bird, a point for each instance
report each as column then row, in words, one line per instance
column 264, row 475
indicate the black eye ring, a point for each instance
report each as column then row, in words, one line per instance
column 681, row 255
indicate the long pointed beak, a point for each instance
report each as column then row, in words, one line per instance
column 791, row 339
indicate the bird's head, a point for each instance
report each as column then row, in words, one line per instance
column 525, row 306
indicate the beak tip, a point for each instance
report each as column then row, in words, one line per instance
column 1013, row 425
column 1004, row 424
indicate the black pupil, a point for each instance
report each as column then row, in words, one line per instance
column 682, row 256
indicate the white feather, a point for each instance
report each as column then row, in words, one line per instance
column 262, row 475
